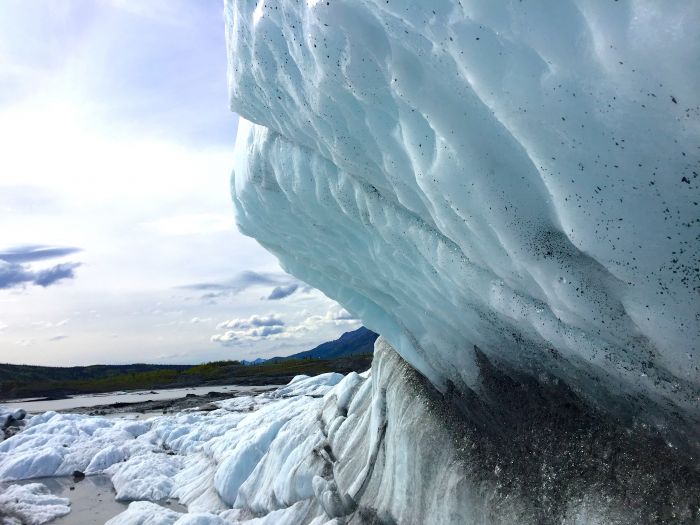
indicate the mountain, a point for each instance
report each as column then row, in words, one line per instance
column 357, row 342
column 360, row 341
column 257, row 361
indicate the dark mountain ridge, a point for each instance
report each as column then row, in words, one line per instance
column 356, row 342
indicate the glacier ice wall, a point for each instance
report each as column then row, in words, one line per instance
column 514, row 177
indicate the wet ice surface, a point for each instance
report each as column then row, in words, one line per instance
column 31, row 504
column 91, row 500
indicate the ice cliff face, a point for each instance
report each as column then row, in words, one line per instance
column 510, row 180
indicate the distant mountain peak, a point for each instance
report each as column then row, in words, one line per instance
column 355, row 342
column 257, row 361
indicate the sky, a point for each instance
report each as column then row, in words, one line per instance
column 117, row 232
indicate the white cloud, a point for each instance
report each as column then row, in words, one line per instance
column 335, row 316
column 254, row 321
column 281, row 292
column 272, row 327
column 247, row 335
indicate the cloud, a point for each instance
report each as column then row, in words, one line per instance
column 54, row 274
column 280, row 292
column 336, row 316
column 254, row 328
column 232, row 337
column 272, row 327
column 35, row 252
column 58, row 337
column 14, row 275
column 283, row 285
column 341, row 314
column 14, row 271
column 254, row 321
column 239, row 283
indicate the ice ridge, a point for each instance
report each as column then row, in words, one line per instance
column 514, row 177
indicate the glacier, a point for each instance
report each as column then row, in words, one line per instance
column 30, row 504
column 508, row 193
column 384, row 446
column 250, row 457
column 506, row 179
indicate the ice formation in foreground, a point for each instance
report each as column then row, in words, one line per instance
column 516, row 180
column 378, row 447
column 30, row 504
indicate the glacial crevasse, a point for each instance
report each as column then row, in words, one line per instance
column 515, row 178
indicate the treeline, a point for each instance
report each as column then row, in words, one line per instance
column 28, row 381
column 26, row 374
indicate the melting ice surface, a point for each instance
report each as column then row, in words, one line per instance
column 519, row 177
column 32, row 503
column 379, row 447
column 253, row 452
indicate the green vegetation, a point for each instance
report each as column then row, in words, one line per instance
column 12, row 376
column 18, row 381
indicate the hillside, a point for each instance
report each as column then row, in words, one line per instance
column 360, row 341
column 357, row 342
